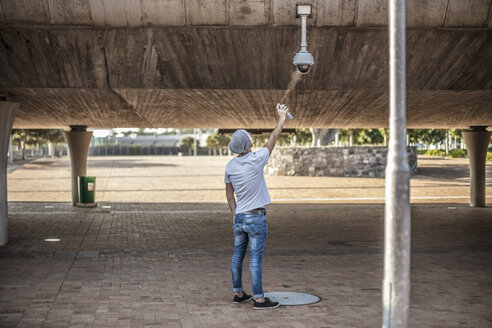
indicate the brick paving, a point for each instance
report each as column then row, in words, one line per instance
column 167, row 263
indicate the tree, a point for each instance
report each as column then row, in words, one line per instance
column 52, row 135
column 25, row 137
column 22, row 137
column 457, row 134
column 223, row 142
column 260, row 140
column 346, row 135
column 303, row 137
column 426, row 136
column 370, row 136
column 188, row 143
column 54, row 138
column 284, row 139
column 385, row 134
column 212, row 142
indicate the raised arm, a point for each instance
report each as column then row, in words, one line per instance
column 282, row 112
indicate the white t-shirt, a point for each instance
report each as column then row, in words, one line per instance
column 246, row 175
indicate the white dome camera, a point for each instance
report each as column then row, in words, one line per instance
column 303, row 60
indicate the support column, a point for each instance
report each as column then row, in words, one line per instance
column 396, row 283
column 7, row 115
column 323, row 137
column 477, row 141
column 78, row 140
column 51, row 150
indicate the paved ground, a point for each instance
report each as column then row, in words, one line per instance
column 166, row 263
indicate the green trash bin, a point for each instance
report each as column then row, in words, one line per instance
column 87, row 189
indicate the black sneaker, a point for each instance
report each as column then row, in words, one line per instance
column 265, row 305
column 238, row 299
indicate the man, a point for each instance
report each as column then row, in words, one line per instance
column 244, row 177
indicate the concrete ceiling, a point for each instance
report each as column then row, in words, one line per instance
column 218, row 63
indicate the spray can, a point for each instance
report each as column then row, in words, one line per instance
column 289, row 115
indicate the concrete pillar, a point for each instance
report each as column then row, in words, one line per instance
column 323, row 137
column 477, row 140
column 78, row 140
column 51, row 151
column 7, row 115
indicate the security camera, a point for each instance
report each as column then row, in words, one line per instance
column 303, row 68
column 303, row 60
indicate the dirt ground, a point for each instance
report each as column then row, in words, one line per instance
column 200, row 179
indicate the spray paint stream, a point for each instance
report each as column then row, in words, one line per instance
column 294, row 78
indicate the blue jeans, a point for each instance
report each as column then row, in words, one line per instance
column 252, row 229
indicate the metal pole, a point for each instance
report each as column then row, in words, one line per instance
column 396, row 284
column 303, row 33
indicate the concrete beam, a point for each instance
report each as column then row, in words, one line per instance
column 467, row 13
column 195, row 76
column 25, row 12
column 433, row 15
column 116, row 12
column 372, row 13
column 78, row 140
column 477, row 141
column 7, row 114
column 2, row 16
column 248, row 12
column 163, row 13
column 336, row 13
column 238, row 58
column 284, row 12
column 124, row 13
column 70, row 12
column 211, row 12
column 57, row 108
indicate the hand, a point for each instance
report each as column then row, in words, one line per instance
column 282, row 110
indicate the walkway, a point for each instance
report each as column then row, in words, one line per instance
column 167, row 263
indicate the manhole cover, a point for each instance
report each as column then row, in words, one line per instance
column 291, row 298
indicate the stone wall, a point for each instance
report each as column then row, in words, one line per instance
column 333, row 161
